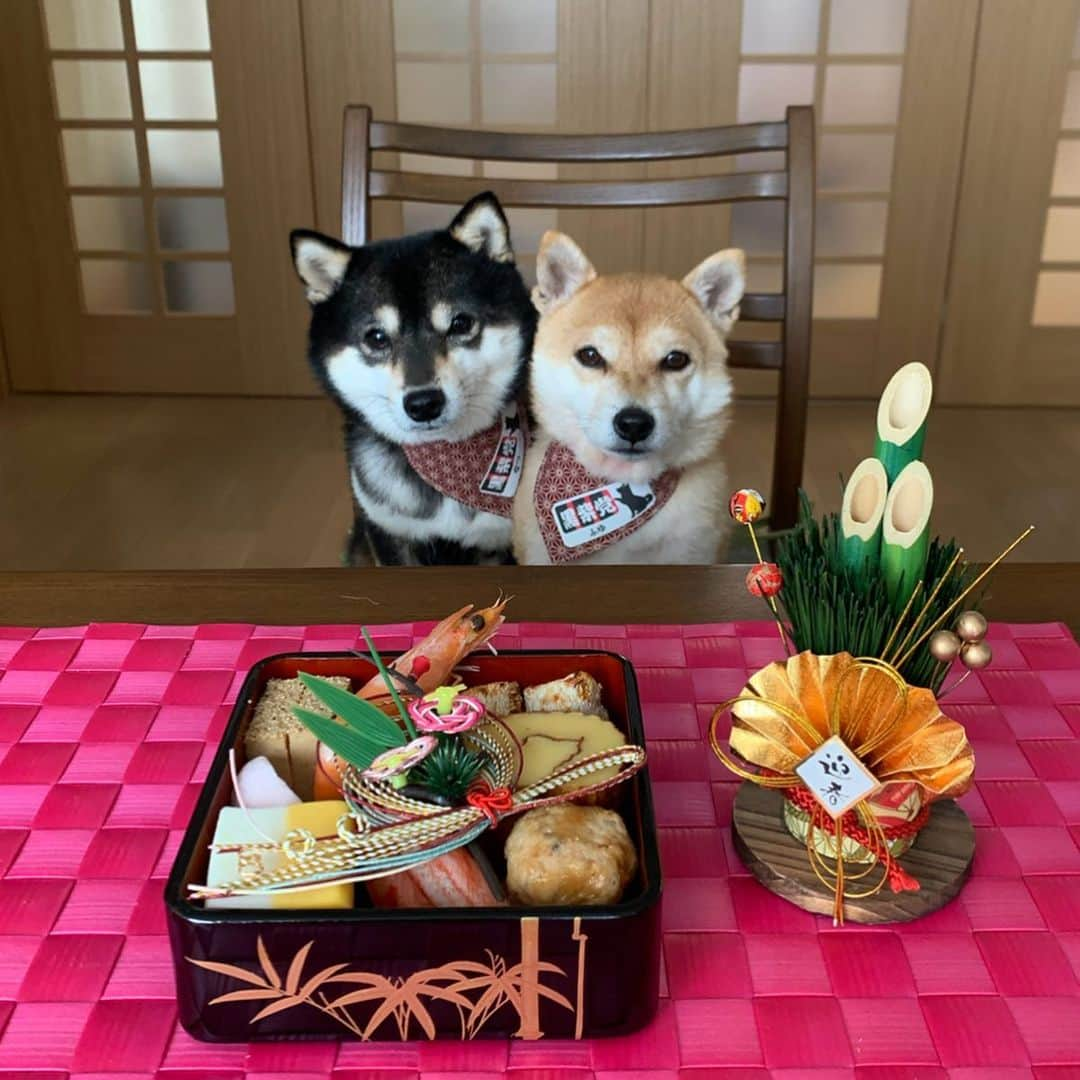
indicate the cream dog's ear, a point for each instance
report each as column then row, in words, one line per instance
column 561, row 269
column 719, row 283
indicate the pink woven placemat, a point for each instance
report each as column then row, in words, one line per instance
column 106, row 733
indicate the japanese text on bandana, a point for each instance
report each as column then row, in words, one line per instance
column 600, row 512
column 504, row 471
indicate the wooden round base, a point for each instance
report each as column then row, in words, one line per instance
column 940, row 860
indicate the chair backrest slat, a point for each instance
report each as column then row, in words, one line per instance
column 733, row 187
column 789, row 356
column 759, row 355
column 506, row 146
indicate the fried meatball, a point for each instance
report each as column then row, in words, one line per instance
column 569, row 854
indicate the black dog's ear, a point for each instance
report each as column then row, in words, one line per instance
column 321, row 262
column 482, row 227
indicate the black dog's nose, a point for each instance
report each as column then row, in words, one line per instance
column 424, row 404
column 633, row 424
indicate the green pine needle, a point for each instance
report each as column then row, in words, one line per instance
column 406, row 719
column 449, row 770
column 832, row 609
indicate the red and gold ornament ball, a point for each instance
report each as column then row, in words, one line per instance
column 746, row 506
column 764, row 579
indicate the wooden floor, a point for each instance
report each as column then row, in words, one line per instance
column 171, row 483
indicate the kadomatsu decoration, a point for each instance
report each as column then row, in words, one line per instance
column 845, row 753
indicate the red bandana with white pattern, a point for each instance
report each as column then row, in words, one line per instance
column 482, row 471
column 579, row 513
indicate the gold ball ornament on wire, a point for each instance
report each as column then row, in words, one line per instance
column 976, row 655
column 971, row 626
column 945, row 646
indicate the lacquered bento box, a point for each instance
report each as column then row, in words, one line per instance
column 391, row 974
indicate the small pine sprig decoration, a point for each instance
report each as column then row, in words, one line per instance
column 449, row 770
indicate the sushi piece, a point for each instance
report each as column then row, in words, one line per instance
column 577, row 693
column 460, row 878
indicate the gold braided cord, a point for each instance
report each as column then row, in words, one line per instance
column 441, row 829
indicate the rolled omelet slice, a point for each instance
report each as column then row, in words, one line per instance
column 553, row 740
column 237, row 826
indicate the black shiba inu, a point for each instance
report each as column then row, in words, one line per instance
column 423, row 342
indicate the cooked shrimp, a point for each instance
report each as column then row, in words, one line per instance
column 431, row 662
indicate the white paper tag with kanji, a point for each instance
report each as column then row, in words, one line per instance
column 597, row 513
column 836, row 777
column 504, row 472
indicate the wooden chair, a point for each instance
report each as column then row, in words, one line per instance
column 793, row 185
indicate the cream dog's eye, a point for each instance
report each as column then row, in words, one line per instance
column 590, row 358
column 676, row 360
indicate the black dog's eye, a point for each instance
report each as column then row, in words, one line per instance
column 377, row 338
column 462, row 324
column 676, row 360
column 589, row 357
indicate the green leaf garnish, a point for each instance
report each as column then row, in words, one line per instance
column 406, row 719
column 346, row 742
column 353, row 711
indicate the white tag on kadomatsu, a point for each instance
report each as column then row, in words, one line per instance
column 836, row 777
column 597, row 513
column 504, row 472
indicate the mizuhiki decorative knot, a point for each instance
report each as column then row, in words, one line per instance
column 491, row 803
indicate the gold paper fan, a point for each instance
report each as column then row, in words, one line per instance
column 897, row 731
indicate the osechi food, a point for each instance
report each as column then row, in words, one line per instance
column 390, row 793
column 567, row 854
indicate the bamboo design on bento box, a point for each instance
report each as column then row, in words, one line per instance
column 478, row 991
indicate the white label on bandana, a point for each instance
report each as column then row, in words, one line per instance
column 597, row 513
column 504, row 472
column 836, row 777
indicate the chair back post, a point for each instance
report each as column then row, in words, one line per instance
column 794, row 386
column 355, row 169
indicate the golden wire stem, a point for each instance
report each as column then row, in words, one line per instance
column 929, row 600
column 771, row 600
column 974, row 585
column 900, row 622
column 950, row 689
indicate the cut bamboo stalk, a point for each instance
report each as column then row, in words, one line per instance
column 861, row 514
column 901, row 418
column 905, row 532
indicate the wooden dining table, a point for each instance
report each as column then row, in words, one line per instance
column 1017, row 592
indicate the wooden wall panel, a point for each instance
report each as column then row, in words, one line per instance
column 259, row 70
column 602, row 83
column 1015, row 115
column 693, row 82
column 926, row 172
column 39, row 299
column 349, row 53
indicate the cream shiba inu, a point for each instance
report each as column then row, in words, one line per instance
column 631, row 392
